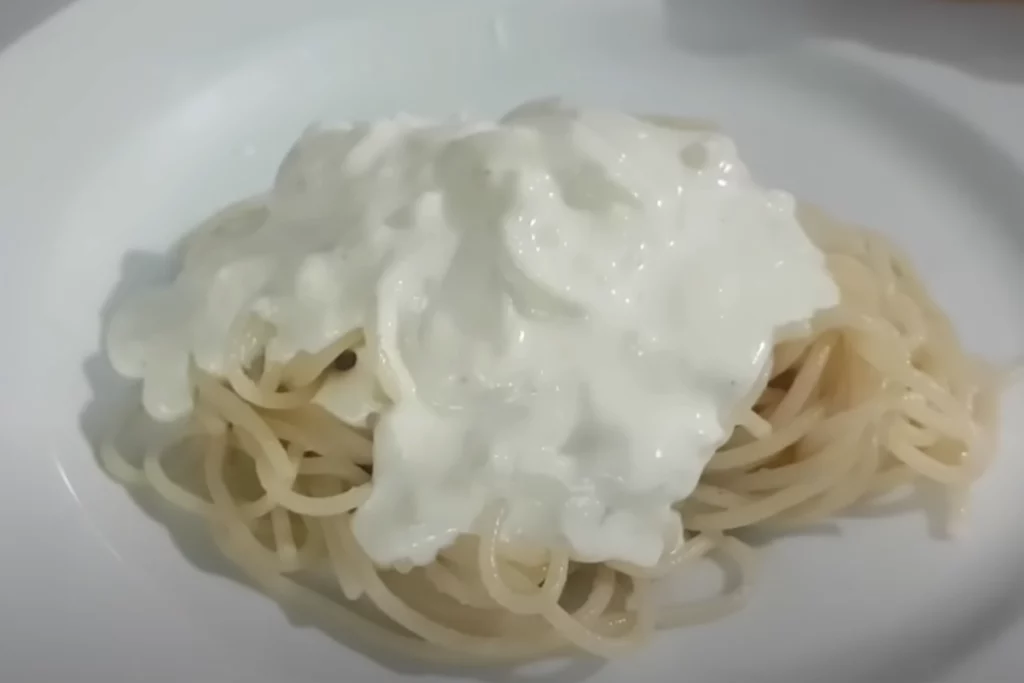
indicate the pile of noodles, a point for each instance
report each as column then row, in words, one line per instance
column 877, row 396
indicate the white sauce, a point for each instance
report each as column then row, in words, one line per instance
column 567, row 308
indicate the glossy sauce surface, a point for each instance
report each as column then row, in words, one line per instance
column 565, row 310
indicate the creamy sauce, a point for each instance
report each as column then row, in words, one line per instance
column 565, row 310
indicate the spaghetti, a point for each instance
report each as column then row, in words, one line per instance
column 879, row 394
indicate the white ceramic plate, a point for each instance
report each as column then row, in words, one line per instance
column 123, row 122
